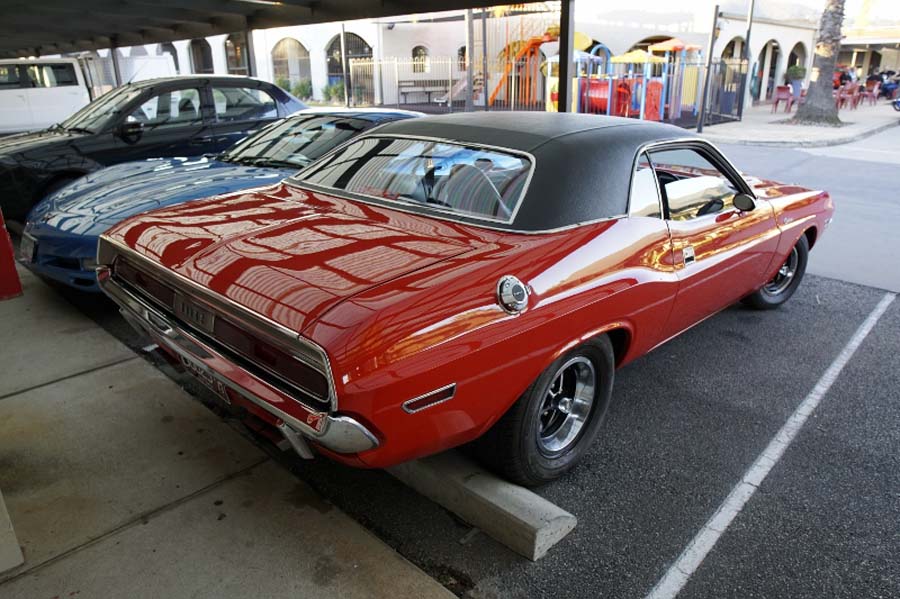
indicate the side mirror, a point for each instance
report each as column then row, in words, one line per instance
column 744, row 202
column 131, row 131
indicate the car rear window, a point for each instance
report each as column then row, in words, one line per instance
column 467, row 180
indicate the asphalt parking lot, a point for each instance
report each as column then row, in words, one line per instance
column 687, row 422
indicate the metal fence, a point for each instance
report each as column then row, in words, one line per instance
column 441, row 84
column 669, row 92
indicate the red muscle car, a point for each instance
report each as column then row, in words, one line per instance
column 447, row 279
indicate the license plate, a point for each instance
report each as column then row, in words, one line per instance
column 27, row 248
column 193, row 314
column 200, row 372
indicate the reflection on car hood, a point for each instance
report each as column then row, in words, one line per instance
column 93, row 203
column 288, row 254
column 22, row 142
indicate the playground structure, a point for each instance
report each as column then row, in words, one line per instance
column 637, row 84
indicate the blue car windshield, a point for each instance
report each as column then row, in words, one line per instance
column 95, row 116
column 296, row 141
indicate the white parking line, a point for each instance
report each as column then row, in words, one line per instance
column 693, row 555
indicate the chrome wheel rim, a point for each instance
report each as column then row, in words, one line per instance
column 785, row 274
column 566, row 405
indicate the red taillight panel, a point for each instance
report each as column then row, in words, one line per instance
column 278, row 361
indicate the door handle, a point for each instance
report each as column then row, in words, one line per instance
column 196, row 141
column 689, row 256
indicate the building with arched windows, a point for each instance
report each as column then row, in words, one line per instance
column 433, row 46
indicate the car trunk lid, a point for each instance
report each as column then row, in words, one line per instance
column 290, row 261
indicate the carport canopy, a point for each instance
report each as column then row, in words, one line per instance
column 35, row 28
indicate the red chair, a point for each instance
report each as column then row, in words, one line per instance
column 873, row 88
column 848, row 95
column 783, row 93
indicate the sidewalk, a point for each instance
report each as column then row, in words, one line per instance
column 760, row 127
column 118, row 484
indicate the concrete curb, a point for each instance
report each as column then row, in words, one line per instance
column 718, row 139
column 523, row 521
column 10, row 552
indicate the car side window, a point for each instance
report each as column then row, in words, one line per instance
column 644, row 200
column 9, row 76
column 171, row 108
column 243, row 104
column 691, row 185
column 52, row 75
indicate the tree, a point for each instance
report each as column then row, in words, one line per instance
column 819, row 107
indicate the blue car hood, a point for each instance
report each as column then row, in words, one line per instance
column 101, row 199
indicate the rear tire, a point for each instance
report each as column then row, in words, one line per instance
column 785, row 283
column 550, row 427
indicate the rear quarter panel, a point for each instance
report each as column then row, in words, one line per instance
column 798, row 210
column 442, row 325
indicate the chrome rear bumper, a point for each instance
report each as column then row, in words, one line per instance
column 335, row 432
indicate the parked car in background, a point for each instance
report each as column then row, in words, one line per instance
column 173, row 116
column 60, row 237
column 38, row 92
column 469, row 276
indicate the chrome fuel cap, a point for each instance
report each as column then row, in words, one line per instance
column 512, row 295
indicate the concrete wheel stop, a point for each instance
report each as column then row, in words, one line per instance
column 514, row 516
column 10, row 552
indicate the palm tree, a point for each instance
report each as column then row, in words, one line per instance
column 819, row 107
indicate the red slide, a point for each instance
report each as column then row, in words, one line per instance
column 10, row 286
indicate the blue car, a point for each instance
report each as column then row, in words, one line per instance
column 60, row 237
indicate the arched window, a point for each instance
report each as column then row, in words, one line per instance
column 420, row 59
column 797, row 55
column 290, row 62
column 461, row 59
column 201, row 57
column 169, row 48
column 358, row 49
column 236, row 54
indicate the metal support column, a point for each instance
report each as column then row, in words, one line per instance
column 345, row 67
column 470, row 76
column 117, row 71
column 709, row 52
column 745, row 57
column 251, row 54
column 485, row 80
column 566, row 54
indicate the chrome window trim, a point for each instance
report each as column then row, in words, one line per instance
column 406, row 403
column 425, row 209
column 716, row 155
column 659, row 198
column 257, row 324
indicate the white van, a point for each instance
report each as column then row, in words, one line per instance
column 39, row 92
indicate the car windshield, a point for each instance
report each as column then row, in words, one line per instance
column 296, row 141
column 94, row 117
column 449, row 177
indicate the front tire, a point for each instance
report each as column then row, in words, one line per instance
column 785, row 282
column 550, row 427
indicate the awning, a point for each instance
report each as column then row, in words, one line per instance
column 40, row 27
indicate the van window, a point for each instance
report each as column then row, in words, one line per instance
column 9, row 76
column 52, row 75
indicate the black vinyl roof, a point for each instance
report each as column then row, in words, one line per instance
column 35, row 28
column 583, row 162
